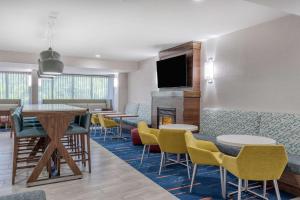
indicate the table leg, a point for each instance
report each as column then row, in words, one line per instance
column 120, row 136
column 55, row 125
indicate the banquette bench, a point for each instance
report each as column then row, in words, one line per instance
column 90, row 104
column 283, row 127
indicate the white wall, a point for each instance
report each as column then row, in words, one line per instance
column 122, row 92
column 257, row 68
column 142, row 82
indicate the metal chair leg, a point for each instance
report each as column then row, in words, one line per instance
column 105, row 132
column 277, row 189
column 149, row 146
column 265, row 188
column 142, row 158
column 193, row 176
column 240, row 189
column 224, row 183
column 161, row 162
column 187, row 165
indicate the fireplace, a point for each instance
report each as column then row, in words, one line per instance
column 166, row 116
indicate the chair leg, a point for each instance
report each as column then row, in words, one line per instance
column 89, row 151
column 224, row 183
column 161, row 162
column 105, row 132
column 15, row 155
column 149, row 146
column 142, row 158
column 240, row 189
column 277, row 189
column 187, row 165
column 193, row 177
column 265, row 188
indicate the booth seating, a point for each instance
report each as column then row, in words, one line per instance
column 282, row 127
column 90, row 104
column 142, row 110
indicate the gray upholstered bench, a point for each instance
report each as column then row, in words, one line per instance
column 33, row 195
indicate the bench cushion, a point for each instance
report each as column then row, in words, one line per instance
column 294, row 164
column 216, row 122
column 131, row 108
column 284, row 128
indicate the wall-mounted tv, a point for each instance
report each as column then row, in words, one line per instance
column 172, row 72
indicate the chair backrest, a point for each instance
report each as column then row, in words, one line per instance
column 85, row 121
column 101, row 120
column 95, row 119
column 262, row 162
column 17, row 122
column 172, row 141
column 143, row 131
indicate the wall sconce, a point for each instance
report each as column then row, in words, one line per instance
column 209, row 70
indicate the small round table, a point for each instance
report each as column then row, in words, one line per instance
column 186, row 127
column 241, row 140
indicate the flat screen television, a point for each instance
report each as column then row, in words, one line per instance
column 172, row 72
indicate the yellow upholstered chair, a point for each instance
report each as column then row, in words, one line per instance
column 203, row 153
column 95, row 122
column 257, row 163
column 107, row 124
column 173, row 142
column 148, row 137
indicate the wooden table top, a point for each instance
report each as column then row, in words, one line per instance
column 51, row 108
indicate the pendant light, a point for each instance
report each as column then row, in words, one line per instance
column 50, row 63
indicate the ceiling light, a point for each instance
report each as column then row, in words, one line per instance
column 98, row 56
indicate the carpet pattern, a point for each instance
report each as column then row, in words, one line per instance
column 174, row 178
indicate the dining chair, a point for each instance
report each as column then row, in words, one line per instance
column 203, row 153
column 95, row 123
column 172, row 141
column 108, row 125
column 29, row 143
column 149, row 136
column 257, row 163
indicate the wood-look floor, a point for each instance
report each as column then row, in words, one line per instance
column 111, row 178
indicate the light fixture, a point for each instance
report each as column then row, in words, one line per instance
column 209, row 70
column 98, row 56
column 50, row 62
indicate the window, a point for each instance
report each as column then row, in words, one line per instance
column 69, row 86
column 15, row 85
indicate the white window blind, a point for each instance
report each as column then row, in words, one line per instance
column 15, row 85
column 69, row 86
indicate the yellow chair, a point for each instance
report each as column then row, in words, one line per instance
column 172, row 141
column 148, row 137
column 107, row 124
column 95, row 122
column 205, row 153
column 257, row 163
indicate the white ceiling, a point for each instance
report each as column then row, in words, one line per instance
column 290, row 6
column 129, row 30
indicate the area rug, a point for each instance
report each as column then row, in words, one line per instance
column 174, row 178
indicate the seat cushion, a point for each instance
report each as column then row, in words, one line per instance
column 130, row 121
column 132, row 108
column 31, row 132
column 75, row 129
column 294, row 164
column 219, row 122
column 284, row 128
column 33, row 195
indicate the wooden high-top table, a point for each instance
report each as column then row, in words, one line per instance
column 55, row 119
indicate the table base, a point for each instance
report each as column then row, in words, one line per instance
column 54, row 180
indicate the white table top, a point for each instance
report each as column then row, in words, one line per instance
column 241, row 140
column 186, row 127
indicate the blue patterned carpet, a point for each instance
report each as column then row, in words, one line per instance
column 174, row 178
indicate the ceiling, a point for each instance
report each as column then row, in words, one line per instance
column 290, row 6
column 126, row 30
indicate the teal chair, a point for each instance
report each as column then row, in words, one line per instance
column 27, row 143
column 79, row 133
